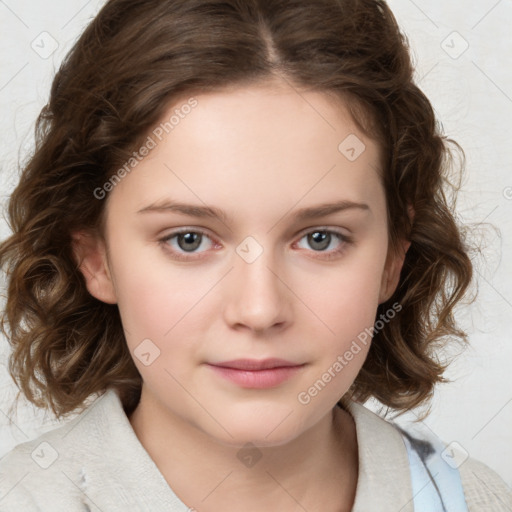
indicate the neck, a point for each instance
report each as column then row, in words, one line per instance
column 315, row 471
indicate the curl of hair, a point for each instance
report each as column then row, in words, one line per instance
column 135, row 59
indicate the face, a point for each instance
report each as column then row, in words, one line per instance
column 223, row 255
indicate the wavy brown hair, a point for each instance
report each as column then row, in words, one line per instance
column 133, row 60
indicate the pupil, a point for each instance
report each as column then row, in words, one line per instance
column 193, row 241
column 320, row 237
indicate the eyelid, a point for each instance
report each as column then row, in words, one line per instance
column 188, row 229
column 330, row 229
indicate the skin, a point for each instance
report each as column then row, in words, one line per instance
column 259, row 153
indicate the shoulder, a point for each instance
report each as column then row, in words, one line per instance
column 93, row 462
column 48, row 471
column 484, row 489
column 381, row 446
column 34, row 473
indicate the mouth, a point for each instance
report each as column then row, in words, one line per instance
column 256, row 374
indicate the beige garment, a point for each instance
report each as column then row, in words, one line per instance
column 384, row 479
column 96, row 462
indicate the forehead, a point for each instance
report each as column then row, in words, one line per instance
column 248, row 146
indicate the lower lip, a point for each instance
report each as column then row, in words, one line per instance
column 257, row 379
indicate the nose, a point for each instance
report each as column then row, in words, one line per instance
column 258, row 297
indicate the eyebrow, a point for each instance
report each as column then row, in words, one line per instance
column 311, row 212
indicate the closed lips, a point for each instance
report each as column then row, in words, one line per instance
column 255, row 365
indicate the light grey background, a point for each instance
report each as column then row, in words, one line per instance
column 462, row 51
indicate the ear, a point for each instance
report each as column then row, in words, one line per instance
column 91, row 256
column 393, row 266
column 392, row 269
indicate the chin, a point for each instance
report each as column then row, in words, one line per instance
column 258, row 437
column 274, row 426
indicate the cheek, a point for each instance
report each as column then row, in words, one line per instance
column 166, row 304
column 156, row 307
column 145, row 304
column 346, row 302
column 346, row 299
column 154, row 294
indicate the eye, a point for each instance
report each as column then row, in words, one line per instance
column 329, row 242
column 186, row 241
column 186, row 244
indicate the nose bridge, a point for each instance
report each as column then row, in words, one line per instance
column 258, row 297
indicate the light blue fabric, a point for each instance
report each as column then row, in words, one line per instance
column 436, row 485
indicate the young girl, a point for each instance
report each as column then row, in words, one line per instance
column 286, row 143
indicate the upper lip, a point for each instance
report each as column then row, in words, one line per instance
column 255, row 364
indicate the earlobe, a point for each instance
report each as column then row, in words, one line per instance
column 91, row 257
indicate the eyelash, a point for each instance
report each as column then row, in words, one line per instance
column 344, row 239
